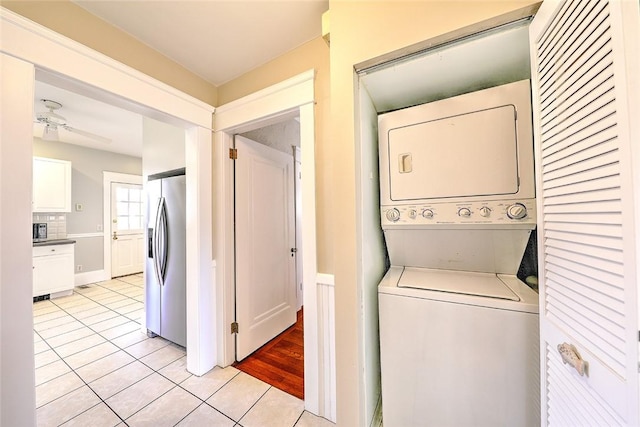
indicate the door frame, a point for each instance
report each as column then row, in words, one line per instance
column 109, row 178
column 68, row 64
column 290, row 98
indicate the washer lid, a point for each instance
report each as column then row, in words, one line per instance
column 458, row 282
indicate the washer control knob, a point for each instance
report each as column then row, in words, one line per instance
column 412, row 213
column 485, row 211
column 464, row 212
column 517, row 211
column 393, row 215
column 427, row 213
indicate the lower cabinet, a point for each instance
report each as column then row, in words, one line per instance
column 53, row 269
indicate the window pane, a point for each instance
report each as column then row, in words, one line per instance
column 122, row 194
column 135, row 195
column 123, row 208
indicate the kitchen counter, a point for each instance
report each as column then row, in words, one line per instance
column 53, row 242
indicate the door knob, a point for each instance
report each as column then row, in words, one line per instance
column 115, row 237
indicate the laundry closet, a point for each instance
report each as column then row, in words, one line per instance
column 444, row 249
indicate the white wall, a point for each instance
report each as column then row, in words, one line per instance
column 17, row 367
column 280, row 136
column 371, row 250
column 163, row 147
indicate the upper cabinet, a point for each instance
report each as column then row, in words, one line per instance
column 51, row 185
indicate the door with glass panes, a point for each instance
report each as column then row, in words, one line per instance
column 126, row 234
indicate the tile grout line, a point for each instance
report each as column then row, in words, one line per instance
column 74, row 370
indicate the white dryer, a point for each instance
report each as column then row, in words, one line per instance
column 459, row 340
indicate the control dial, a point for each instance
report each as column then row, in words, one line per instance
column 517, row 211
column 427, row 213
column 464, row 212
column 412, row 213
column 393, row 215
column 485, row 211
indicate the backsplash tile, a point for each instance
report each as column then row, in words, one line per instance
column 56, row 224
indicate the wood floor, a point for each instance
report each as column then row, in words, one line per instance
column 280, row 362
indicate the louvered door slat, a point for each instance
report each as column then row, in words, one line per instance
column 600, row 333
column 614, row 281
column 613, row 267
column 593, row 131
column 606, row 206
column 586, row 235
column 588, row 178
column 591, row 296
column 562, row 150
column 585, row 239
column 568, row 73
column 589, row 250
column 565, row 35
column 581, row 193
column 597, row 87
column 581, row 124
column 566, row 120
column 591, row 287
column 586, row 217
column 570, row 169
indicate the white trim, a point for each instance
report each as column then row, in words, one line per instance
column 107, row 179
column 325, row 291
column 326, row 279
column 90, row 277
column 57, row 57
column 84, row 235
column 291, row 96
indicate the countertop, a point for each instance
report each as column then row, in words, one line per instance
column 53, row 242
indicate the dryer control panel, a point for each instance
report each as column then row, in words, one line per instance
column 495, row 212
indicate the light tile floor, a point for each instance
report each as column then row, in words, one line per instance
column 95, row 367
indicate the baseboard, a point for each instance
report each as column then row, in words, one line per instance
column 90, row 277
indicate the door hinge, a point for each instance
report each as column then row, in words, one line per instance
column 233, row 153
column 234, row 328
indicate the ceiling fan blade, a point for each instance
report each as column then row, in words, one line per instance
column 87, row 134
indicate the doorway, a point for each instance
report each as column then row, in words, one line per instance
column 287, row 99
column 123, row 221
column 269, row 341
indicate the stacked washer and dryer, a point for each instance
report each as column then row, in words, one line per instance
column 459, row 340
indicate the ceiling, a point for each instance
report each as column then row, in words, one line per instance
column 218, row 40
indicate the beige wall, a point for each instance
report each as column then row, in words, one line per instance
column 70, row 20
column 311, row 55
column 361, row 31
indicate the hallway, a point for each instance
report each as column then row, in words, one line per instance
column 94, row 366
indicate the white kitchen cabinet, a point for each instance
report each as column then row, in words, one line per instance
column 51, row 185
column 53, row 269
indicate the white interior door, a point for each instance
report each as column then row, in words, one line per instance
column 127, row 233
column 585, row 115
column 265, row 236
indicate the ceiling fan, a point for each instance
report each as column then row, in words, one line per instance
column 52, row 121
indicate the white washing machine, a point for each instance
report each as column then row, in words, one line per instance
column 459, row 340
column 458, row 349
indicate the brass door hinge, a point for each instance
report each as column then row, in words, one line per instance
column 233, row 153
column 234, row 328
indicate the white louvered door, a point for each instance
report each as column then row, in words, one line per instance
column 586, row 159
